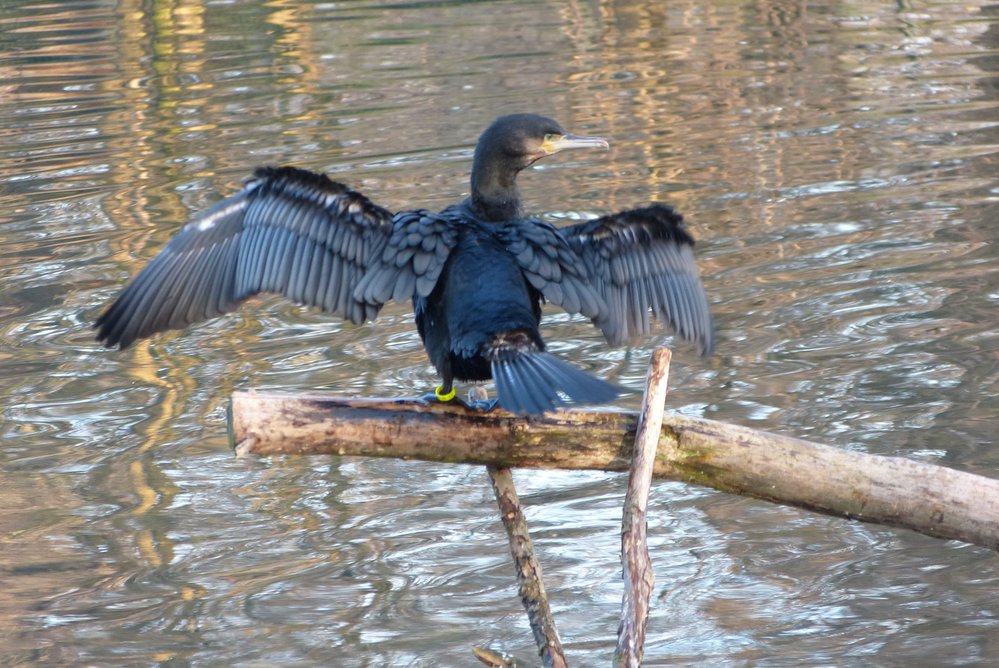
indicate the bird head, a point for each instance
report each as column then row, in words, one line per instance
column 509, row 145
column 520, row 140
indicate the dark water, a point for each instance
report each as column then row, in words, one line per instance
column 837, row 163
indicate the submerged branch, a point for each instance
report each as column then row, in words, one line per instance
column 532, row 587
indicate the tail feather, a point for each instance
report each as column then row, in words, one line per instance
column 533, row 382
column 542, row 386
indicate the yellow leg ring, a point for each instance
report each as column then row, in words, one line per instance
column 441, row 396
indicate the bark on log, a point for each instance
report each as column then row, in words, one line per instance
column 931, row 499
column 636, row 565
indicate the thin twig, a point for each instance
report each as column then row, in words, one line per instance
column 532, row 588
column 635, row 562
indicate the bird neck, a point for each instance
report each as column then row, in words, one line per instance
column 495, row 196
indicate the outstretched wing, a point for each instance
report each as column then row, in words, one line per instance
column 642, row 261
column 410, row 260
column 553, row 267
column 289, row 231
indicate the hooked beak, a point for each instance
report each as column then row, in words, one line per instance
column 556, row 143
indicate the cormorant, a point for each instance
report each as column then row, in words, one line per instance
column 477, row 272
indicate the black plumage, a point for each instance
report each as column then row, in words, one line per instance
column 477, row 272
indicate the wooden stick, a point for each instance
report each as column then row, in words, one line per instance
column 635, row 562
column 492, row 658
column 532, row 588
column 933, row 500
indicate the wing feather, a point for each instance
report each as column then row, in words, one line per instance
column 553, row 267
column 642, row 262
column 411, row 259
column 288, row 231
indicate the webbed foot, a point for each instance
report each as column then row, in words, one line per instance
column 478, row 400
column 484, row 406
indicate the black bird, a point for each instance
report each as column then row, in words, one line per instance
column 477, row 272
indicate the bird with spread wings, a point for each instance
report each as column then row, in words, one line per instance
column 477, row 272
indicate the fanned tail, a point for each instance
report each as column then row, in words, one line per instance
column 533, row 382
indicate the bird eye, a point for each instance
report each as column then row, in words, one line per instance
column 550, row 137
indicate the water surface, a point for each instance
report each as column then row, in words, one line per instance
column 837, row 163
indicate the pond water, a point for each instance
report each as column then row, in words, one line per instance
column 836, row 162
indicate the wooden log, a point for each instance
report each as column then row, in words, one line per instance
column 931, row 499
column 532, row 587
column 636, row 565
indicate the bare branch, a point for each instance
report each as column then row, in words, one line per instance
column 933, row 500
column 635, row 562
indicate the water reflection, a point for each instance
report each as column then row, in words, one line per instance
column 836, row 165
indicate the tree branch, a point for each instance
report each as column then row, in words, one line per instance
column 532, row 587
column 635, row 562
column 933, row 500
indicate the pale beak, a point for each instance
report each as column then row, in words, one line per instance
column 565, row 142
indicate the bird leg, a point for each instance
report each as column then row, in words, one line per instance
column 440, row 395
column 477, row 398
column 444, row 395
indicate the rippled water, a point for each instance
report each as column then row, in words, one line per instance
column 837, row 164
